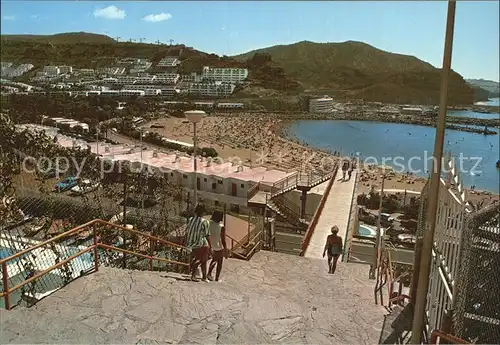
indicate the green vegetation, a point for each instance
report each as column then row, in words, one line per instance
column 65, row 38
column 357, row 70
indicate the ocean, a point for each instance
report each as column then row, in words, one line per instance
column 406, row 147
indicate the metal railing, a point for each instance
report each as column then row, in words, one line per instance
column 285, row 184
column 290, row 210
column 314, row 221
column 252, row 246
column 83, row 249
column 253, row 191
column 352, row 222
column 437, row 336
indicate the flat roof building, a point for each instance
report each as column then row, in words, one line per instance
column 321, row 105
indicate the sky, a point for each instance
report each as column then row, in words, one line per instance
column 233, row 27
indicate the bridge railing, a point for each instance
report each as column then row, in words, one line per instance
column 314, row 221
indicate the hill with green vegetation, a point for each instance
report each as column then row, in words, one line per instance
column 63, row 38
column 355, row 70
column 85, row 50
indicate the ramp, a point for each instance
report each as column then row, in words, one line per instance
column 335, row 212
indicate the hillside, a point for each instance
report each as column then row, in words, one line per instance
column 492, row 87
column 63, row 38
column 85, row 50
column 358, row 70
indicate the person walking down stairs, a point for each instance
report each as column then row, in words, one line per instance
column 333, row 248
column 218, row 242
column 198, row 240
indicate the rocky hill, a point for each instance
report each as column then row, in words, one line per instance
column 491, row 87
column 358, row 70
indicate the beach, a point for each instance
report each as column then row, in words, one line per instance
column 262, row 140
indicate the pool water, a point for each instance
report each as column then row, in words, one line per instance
column 366, row 231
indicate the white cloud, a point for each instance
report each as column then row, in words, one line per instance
column 154, row 18
column 8, row 17
column 110, row 12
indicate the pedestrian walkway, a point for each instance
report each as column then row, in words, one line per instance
column 335, row 212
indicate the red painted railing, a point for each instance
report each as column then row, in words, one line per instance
column 314, row 222
column 448, row 338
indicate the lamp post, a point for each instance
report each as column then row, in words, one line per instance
column 195, row 116
column 424, row 245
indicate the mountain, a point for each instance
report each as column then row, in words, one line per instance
column 63, row 38
column 357, row 70
column 491, row 87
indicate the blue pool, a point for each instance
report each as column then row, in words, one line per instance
column 366, row 231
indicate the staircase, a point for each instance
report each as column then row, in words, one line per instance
column 288, row 210
column 301, row 179
column 276, row 201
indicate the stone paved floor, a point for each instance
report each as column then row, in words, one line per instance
column 274, row 298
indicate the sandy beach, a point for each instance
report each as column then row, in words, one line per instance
column 258, row 141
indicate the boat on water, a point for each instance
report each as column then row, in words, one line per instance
column 498, row 164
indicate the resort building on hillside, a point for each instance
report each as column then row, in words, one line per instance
column 51, row 71
column 321, row 105
column 226, row 75
column 169, row 61
column 216, row 89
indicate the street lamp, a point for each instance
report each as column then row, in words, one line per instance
column 195, row 116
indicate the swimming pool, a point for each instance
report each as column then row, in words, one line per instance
column 366, row 231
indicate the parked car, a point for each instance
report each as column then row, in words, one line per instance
column 84, row 187
column 64, row 185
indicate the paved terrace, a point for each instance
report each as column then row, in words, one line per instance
column 272, row 299
column 335, row 212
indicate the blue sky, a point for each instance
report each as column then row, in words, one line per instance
column 232, row 27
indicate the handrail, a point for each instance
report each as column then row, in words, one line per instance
column 84, row 226
column 314, row 222
column 279, row 186
column 437, row 334
column 253, row 191
column 94, row 247
column 351, row 222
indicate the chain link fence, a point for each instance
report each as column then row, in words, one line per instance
column 477, row 295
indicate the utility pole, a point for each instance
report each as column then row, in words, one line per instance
column 171, row 41
column 117, row 38
column 376, row 254
column 141, row 39
column 158, row 42
column 428, row 237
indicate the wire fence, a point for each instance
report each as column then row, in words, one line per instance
column 477, row 303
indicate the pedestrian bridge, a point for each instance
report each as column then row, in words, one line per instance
column 335, row 208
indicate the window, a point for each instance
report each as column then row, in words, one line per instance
column 242, row 185
column 219, row 181
column 216, row 203
column 185, row 176
column 214, row 185
column 205, row 179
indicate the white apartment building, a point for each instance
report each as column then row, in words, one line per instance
column 321, row 105
column 86, row 71
column 169, row 61
column 126, row 79
column 51, row 70
column 65, row 69
column 226, row 75
column 216, row 89
column 167, row 78
column 230, row 105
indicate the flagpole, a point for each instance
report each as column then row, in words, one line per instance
column 423, row 270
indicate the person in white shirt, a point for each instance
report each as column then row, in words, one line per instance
column 218, row 242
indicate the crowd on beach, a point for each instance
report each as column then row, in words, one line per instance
column 264, row 140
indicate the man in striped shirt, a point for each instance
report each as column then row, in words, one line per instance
column 198, row 240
